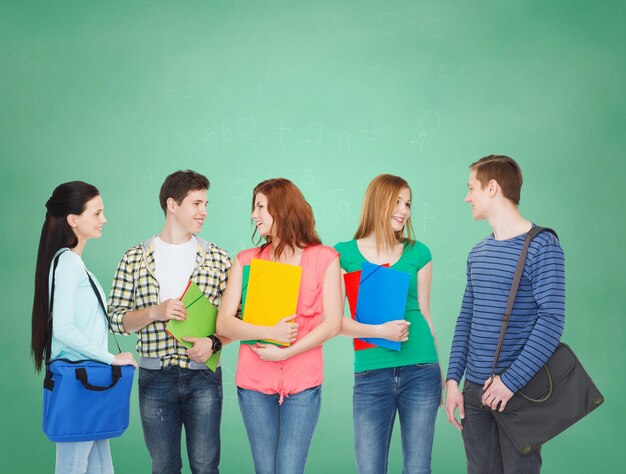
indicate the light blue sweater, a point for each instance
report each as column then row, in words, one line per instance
column 79, row 327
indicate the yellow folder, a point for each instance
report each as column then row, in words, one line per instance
column 272, row 293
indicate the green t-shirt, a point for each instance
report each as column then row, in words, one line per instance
column 420, row 348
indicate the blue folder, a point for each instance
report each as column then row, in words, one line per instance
column 382, row 298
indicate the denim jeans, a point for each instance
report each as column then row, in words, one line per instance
column 84, row 457
column 413, row 391
column 280, row 435
column 171, row 398
column 488, row 450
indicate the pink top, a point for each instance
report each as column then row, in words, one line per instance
column 305, row 370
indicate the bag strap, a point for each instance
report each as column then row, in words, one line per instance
column 519, row 270
column 104, row 310
column 116, row 375
column 51, row 307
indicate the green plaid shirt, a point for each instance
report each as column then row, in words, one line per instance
column 135, row 287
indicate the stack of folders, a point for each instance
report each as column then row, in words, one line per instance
column 269, row 293
column 376, row 294
column 200, row 322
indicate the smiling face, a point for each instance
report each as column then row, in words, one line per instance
column 190, row 214
column 402, row 210
column 88, row 224
column 478, row 197
column 260, row 215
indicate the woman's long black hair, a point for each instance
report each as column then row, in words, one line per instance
column 56, row 233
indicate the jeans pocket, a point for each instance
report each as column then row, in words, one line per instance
column 215, row 377
column 361, row 374
column 428, row 365
column 145, row 377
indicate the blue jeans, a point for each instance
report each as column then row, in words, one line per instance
column 173, row 397
column 488, row 450
column 84, row 457
column 280, row 435
column 413, row 391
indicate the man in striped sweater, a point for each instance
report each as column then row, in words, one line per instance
column 534, row 328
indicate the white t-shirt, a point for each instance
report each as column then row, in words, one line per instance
column 174, row 264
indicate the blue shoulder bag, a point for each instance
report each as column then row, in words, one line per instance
column 84, row 400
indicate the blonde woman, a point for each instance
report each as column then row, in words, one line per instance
column 386, row 382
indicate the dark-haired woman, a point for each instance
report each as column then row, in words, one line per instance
column 279, row 389
column 79, row 329
column 387, row 382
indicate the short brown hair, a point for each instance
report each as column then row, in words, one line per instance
column 504, row 170
column 178, row 184
column 378, row 205
column 294, row 223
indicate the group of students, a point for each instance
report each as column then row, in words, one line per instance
column 279, row 388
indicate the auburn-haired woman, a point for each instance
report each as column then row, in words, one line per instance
column 74, row 215
column 386, row 382
column 279, row 389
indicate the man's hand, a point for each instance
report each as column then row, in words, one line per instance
column 202, row 348
column 397, row 331
column 494, row 393
column 454, row 399
column 169, row 309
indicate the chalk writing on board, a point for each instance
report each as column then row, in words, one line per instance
column 432, row 26
column 282, row 130
column 428, row 215
column 314, row 135
column 386, row 23
column 439, row 71
column 460, row 273
column 342, row 210
column 164, row 135
column 210, row 140
column 289, row 173
column 379, row 62
column 186, row 140
column 335, row 24
column 345, row 139
column 259, row 92
column 238, row 203
column 227, row 133
column 428, row 123
column 168, row 89
column 308, row 176
column 247, row 128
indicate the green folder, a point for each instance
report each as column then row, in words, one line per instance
column 200, row 322
column 244, row 292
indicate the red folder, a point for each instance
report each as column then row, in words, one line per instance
column 352, row 280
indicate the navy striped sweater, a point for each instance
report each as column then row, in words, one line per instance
column 537, row 317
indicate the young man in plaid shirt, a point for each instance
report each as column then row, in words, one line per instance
column 175, row 387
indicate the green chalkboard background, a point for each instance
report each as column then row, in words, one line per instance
column 328, row 94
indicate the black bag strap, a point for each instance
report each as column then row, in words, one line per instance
column 104, row 310
column 51, row 307
column 514, row 286
column 81, row 374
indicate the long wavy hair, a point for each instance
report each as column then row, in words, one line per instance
column 378, row 205
column 294, row 224
column 56, row 233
